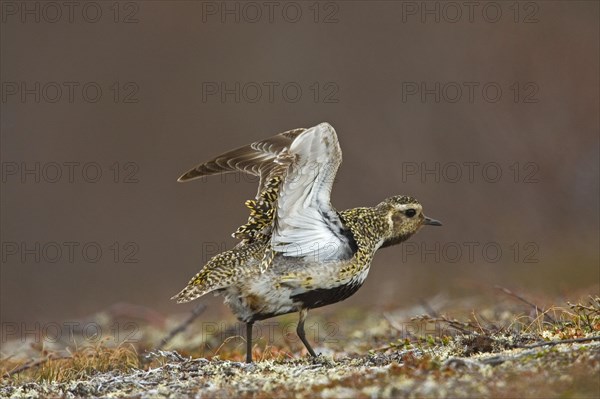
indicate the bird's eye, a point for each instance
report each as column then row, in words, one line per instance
column 410, row 213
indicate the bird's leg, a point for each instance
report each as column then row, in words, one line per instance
column 249, row 342
column 301, row 334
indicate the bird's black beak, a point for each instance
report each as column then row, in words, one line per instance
column 432, row 222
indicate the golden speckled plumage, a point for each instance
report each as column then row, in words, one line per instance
column 223, row 269
column 296, row 252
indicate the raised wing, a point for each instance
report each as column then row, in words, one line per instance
column 297, row 169
column 256, row 159
column 306, row 225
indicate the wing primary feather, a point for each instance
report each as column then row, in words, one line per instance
column 254, row 159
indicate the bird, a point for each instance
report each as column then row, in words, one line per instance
column 297, row 252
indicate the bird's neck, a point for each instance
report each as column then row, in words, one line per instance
column 395, row 240
column 368, row 227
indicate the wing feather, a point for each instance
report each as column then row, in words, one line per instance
column 297, row 170
column 255, row 159
column 306, row 224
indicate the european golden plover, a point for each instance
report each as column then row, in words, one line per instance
column 297, row 252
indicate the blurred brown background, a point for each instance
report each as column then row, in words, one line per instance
column 362, row 66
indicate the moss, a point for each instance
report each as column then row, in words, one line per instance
column 368, row 358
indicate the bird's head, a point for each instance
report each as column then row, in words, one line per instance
column 405, row 217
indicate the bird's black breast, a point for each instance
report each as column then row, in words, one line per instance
column 347, row 233
column 326, row 296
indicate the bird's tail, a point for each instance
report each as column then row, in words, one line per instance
column 191, row 291
column 224, row 269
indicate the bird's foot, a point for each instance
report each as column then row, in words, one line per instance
column 321, row 360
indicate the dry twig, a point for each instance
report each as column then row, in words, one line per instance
column 35, row 363
column 198, row 310
column 561, row 341
column 533, row 305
